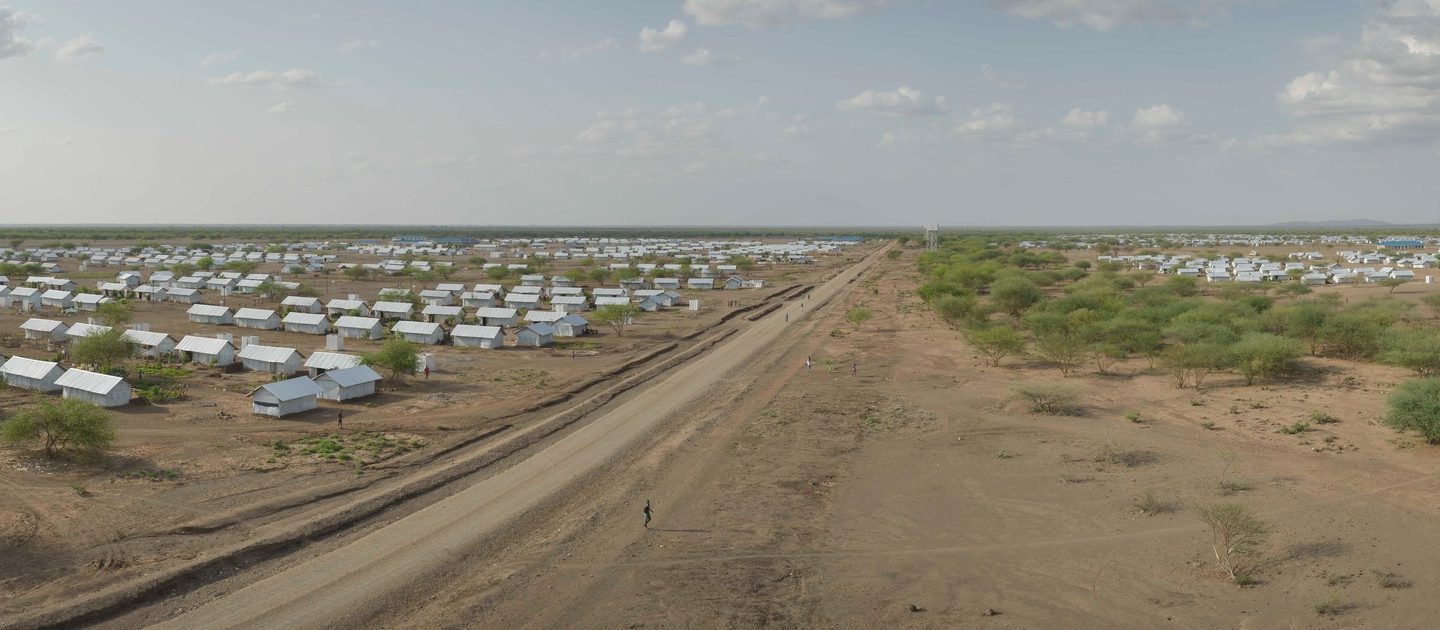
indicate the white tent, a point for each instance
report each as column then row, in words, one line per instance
column 357, row 327
column 270, row 359
column 44, row 329
column 149, row 343
column 258, row 318
column 93, row 387
column 207, row 350
column 210, row 314
column 535, row 335
column 311, row 323
column 303, row 304
column 285, row 397
column 419, row 332
column 320, row 362
column 31, row 374
column 478, row 336
column 347, row 383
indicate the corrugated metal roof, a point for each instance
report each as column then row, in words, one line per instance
column 303, row 319
column 351, row 376
column 90, row 298
column 203, row 345
column 82, row 329
column 254, row 313
column 55, row 294
column 495, row 312
column 331, row 360
column 543, row 329
column 355, row 321
column 434, row 293
column 146, row 337
column 543, row 316
column 415, row 328
column 482, row 332
column 267, row 354
column 348, row 305
column 299, row 300
column 182, row 291
column 86, row 381
column 392, row 307
column 40, row 325
column 291, row 389
column 443, row 311
column 28, row 368
column 207, row 310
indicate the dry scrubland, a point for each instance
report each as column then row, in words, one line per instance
column 67, row 526
column 921, row 492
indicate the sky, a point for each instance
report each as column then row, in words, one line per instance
column 720, row 112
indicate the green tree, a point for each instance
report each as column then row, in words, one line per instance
column 103, row 349
column 1191, row 363
column 1064, row 349
column 1182, row 286
column 1391, row 283
column 1418, row 350
column 114, row 314
column 1306, row 321
column 182, row 269
column 1235, row 534
column 1264, row 356
column 270, row 290
column 957, row 310
column 1352, row 335
column 616, row 316
column 64, row 424
column 396, row 356
column 996, row 342
column 1415, row 406
column 243, row 266
column 1014, row 295
column 358, row 272
column 205, row 263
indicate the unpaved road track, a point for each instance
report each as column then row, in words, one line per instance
column 347, row 586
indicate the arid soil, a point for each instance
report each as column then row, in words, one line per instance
column 915, row 493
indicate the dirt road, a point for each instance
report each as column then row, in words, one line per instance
column 351, row 584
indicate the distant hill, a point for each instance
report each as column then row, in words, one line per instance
column 1341, row 223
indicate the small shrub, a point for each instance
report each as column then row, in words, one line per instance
column 1004, row 455
column 1207, row 425
column 81, row 490
column 1321, row 417
column 1295, row 429
column 1149, row 505
column 1129, row 458
column 1391, row 580
column 1132, row 415
column 1330, row 607
column 1055, row 399
column 1234, row 536
column 1231, row 487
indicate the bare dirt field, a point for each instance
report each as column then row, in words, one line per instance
column 916, row 494
column 897, row 484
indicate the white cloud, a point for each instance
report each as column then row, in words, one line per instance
column 1003, row 81
column 904, row 101
column 1104, row 15
column 358, row 44
column 1387, row 88
column 283, row 107
column 215, row 59
column 1078, row 118
column 683, row 129
column 11, row 44
column 82, row 46
column 705, row 57
column 293, row 78
column 606, row 44
column 1161, row 123
column 652, row 41
column 766, row 13
column 10, row 129
column 998, row 119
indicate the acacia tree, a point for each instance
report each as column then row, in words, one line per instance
column 1415, row 405
column 1391, row 283
column 396, row 356
column 102, row 349
column 1015, row 295
column 996, row 342
column 114, row 314
column 616, row 316
column 61, row 425
column 1065, row 349
column 1234, row 535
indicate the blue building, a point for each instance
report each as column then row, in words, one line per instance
column 1401, row 243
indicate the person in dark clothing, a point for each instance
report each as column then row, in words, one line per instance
column 648, row 513
column 340, row 419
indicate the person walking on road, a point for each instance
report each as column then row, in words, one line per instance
column 648, row 513
column 787, row 318
column 854, row 369
column 427, row 372
column 807, row 364
column 340, row 419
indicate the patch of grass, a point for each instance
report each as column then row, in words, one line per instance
column 1133, row 416
column 155, row 370
column 1245, row 579
column 1295, row 429
column 1321, row 417
column 1150, row 505
column 1331, row 607
column 1391, row 580
column 576, row 345
column 1338, row 579
column 1207, row 425
column 81, row 490
column 1129, row 458
column 1004, row 455
column 522, row 376
column 163, row 474
column 1231, row 487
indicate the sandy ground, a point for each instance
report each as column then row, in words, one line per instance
column 915, row 494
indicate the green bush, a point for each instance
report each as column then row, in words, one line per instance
column 1415, row 406
column 1264, row 356
column 1050, row 398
